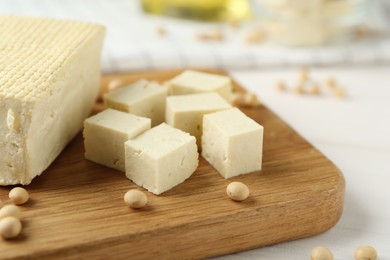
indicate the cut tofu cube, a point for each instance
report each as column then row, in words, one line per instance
column 192, row 82
column 161, row 158
column 49, row 82
column 232, row 142
column 142, row 98
column 105, row 135
column 186, row 112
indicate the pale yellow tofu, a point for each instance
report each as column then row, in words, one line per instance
column 232, row 142
column 186, row 112
column 142, row 98
column 106, row 133
column 49, row 81
column 192, row 82
column 161, row 158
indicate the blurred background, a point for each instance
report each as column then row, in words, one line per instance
column 228, row 34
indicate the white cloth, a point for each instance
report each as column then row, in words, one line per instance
column 133, row 44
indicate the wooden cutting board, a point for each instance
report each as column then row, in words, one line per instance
column 77, row 211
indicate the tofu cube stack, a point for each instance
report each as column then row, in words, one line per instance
column 193, row 114
column 49, row 82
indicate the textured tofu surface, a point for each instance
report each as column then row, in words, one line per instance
column 105, row 135
column 232, row 142
column 49, row 81
column 161, row 158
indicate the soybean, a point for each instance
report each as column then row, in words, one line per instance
column 10, row 211
column 237, row 191
column 366, row 253
column 10, row 227
column 321, row 253
column 18, row 195
column 135, row 199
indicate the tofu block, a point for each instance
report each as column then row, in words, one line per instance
column 192, row 82
column 49, row 82
column 232, row 142
column 142, row 98
column 105, row 135
column 186, row 112
column 161, row 158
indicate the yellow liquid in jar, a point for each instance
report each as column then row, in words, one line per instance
column 204, row 10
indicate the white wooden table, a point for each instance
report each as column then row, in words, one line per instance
column 355, row 134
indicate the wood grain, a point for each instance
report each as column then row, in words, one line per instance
column 77, row 211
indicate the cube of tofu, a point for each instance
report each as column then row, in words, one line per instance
column 192, row 82
column 186, row 112
column 105, row 135
column 232, row 142
column 161, row 158
column 142, row 98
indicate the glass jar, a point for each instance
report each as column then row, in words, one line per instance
column 204, row 10
column 309, row 22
